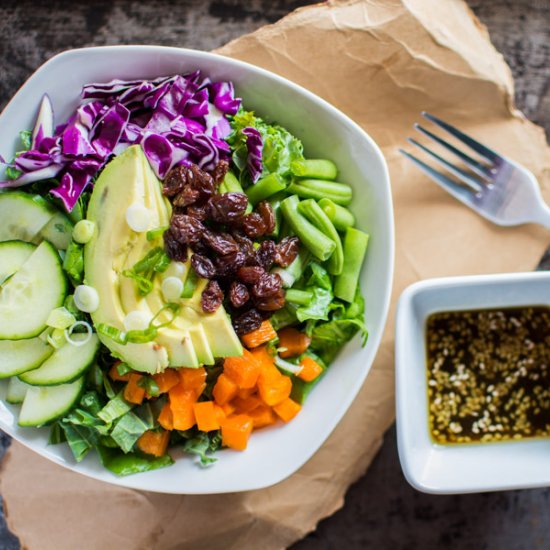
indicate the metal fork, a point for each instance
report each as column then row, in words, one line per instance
column 496, row 187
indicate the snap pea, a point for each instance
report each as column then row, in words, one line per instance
column 355, row 248
column 340, row 193
column 265, row 187
column 340, row 216
column 314, row 168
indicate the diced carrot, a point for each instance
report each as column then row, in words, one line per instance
column 264, row 333
column 262, row 356
column 294, row 342
column 228, row 408
column 166, row 380
column 219, row 413
column 205, row 415
column 286, row 410
column 193, row 379
column 274, row 390
column 154, row 443
column 132, row 392
column 181, row 404
column 310, row 369
column 242, row 370
column 244, row 393
column 262, row 416
column 224, row 389
column 165, row 418
column 236, row 430
column 114, row 375
column 246, row 405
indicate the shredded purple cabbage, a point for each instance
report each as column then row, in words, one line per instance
column 255, row 145
column 176, row 119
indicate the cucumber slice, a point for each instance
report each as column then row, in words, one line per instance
column 29, row 296
column 58, row 231
column 18, row 356
column 23, row 215
column 13, row 254
column 42, row 405
column 16, row 391
column 66, row 364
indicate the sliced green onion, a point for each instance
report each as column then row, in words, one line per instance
column 287, row 366
column 56, row 338
column 84, row 341
column 86, row 298
column 190, row 284
column 314, row 168
column 355, row 248
column 60, row 318
column 340, row 216
column 317, row 242
column 314, row 213
column 149, row 385
column 123, row 368
column 83, row 231
column 265, row 187
column 156, row 233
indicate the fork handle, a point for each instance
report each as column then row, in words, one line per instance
column 542, row 215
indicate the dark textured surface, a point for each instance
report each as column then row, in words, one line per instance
column 381, row 510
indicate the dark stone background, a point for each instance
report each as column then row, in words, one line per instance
column 381, row 510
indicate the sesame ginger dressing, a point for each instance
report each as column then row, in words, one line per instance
column 489, row 374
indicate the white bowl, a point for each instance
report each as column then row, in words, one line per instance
column 275, row 453
column 460, row 468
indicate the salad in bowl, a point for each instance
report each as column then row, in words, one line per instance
column 178, row 272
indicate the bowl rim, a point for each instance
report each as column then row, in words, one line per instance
column 374, row 341
column 405, row 411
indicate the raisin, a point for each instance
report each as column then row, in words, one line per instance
column 219, row 171
column 287, row 250
column 247, row 322
column 203, row 266
column 238, row 294
column 250, row 274
column 228, row 207
column 186, row 197
column 268, row 284
column 265, row 255
column 227, row 266
column 246, row 245
column 175, row 250
column 186, row 229
column 253, row 225
column 174, row 181
column 197, row 212
column 271, row 303
column 212, row 297
column 268, row 216
column 222, row 243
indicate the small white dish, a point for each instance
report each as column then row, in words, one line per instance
column 460, row 468
column 273, row 453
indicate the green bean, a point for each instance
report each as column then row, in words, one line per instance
column 190, row 284
column 300, row 297
column 275, row 201
column 355, row 248
column 314, row 168
column 265, row 187
column 340, row 193
column 317, row 242
column 314, row 213
column 340, row 216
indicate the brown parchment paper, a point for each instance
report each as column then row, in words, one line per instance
column 381, row 62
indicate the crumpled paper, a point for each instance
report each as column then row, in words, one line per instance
column 381, row 62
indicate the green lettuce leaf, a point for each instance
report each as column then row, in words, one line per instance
column 128, row 429
column 133, row 463
column 202, row 445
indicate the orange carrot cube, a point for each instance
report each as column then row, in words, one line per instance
column 132, row 392
column 193, row 379
column 236, row 430
column 165, row 418
column 166, row 380
column 205, row 416
column 286, row 410
column 310, row 369
column 224, row 389
column 294, row 342
column 219, row 413
column 228, row 408
column 244, row 393
column 246, row 405
column 274, row 390
column 114, row 375
column 264, row 333
column 244, row 370
column 181, row 404
column 154, row 443
column 262, row 416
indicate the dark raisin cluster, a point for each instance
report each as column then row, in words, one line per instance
column 221, row 235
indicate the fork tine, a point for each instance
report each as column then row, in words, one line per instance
column 479, row 148
column 474, row 184
column 477, row 167
column 458, row 191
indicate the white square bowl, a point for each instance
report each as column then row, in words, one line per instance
column 460, row 468
column 273, row 453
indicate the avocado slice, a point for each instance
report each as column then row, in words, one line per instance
column 193, row 337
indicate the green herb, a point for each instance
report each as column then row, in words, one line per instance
column 202, row 445
column 144, row 271
column 73, row 263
